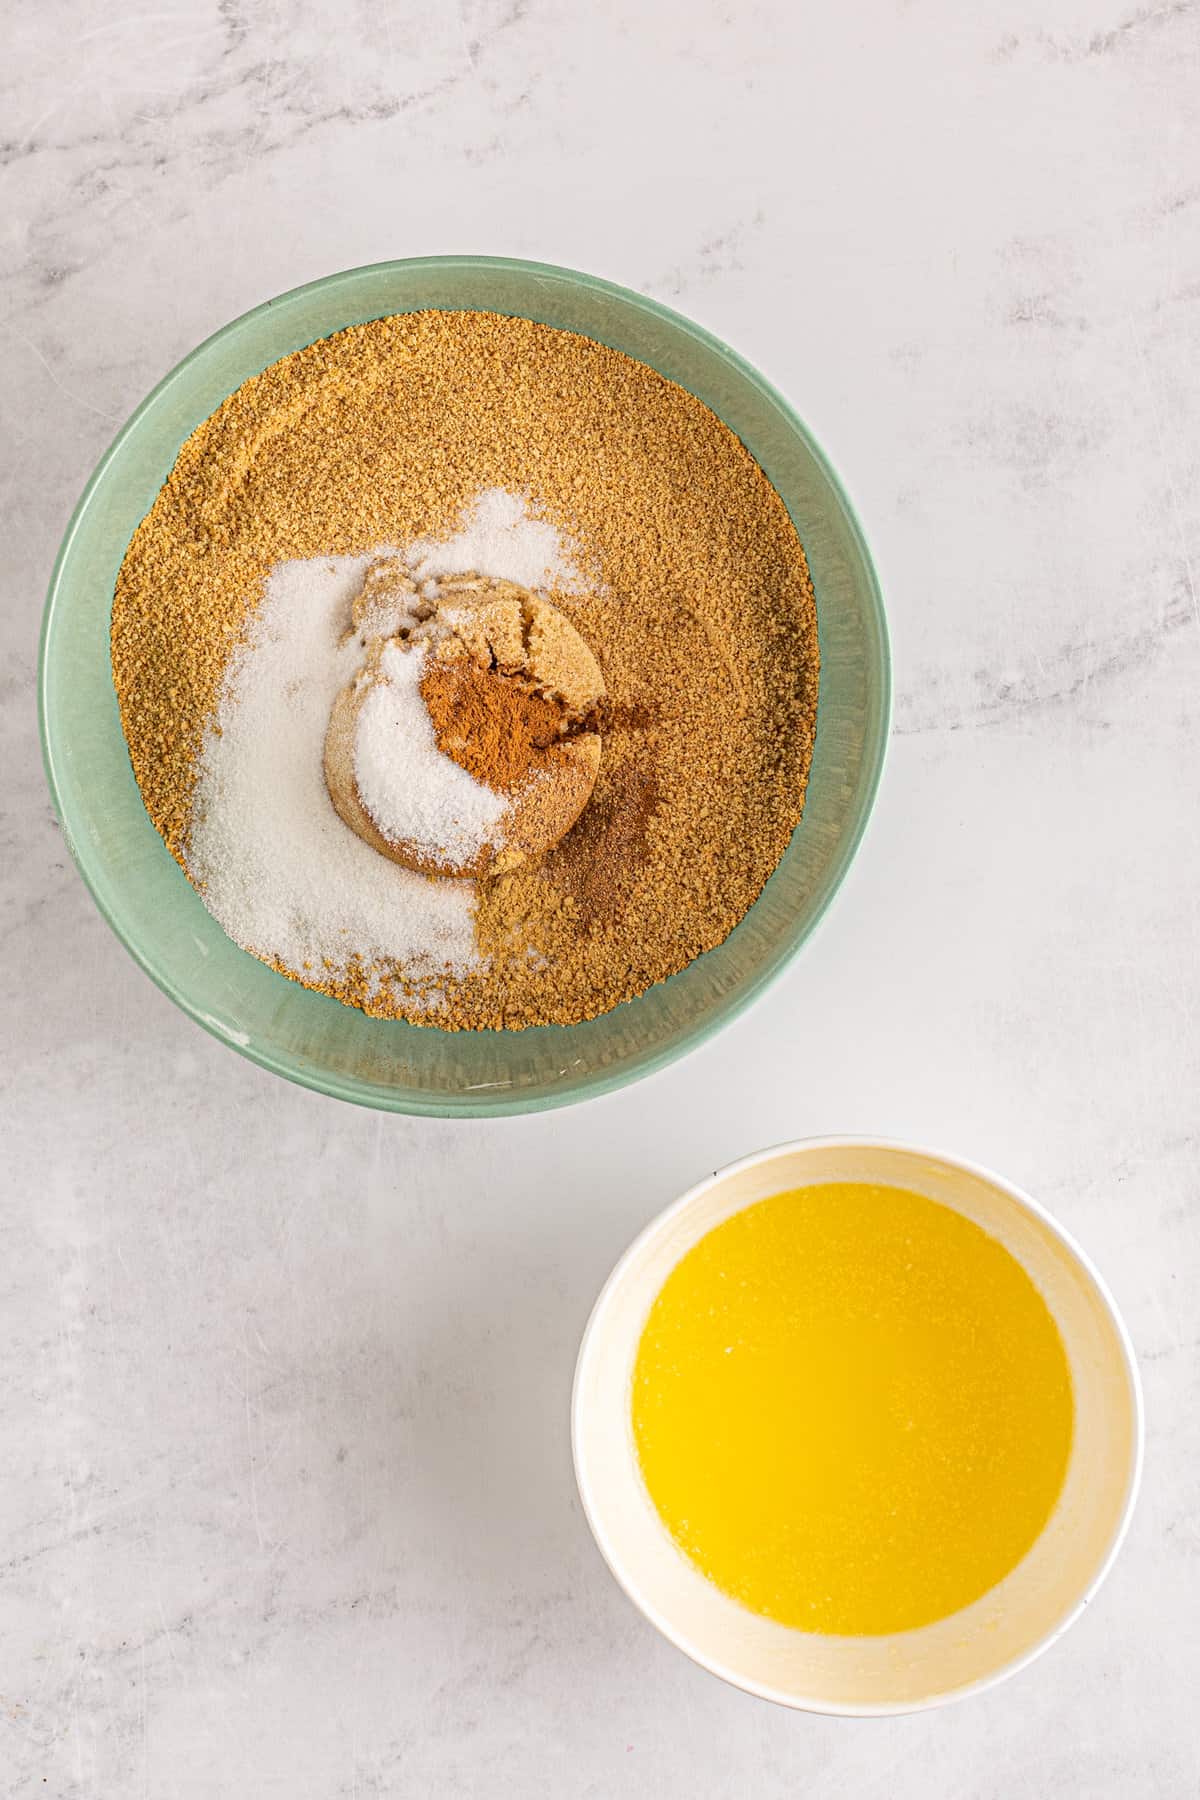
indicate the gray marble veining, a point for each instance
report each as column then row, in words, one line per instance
column 286, row 1497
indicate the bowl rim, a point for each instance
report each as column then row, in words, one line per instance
column 465, row 1103
column 762, row 1690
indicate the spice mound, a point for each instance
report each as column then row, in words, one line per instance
column 467, row 744
column 357, row 644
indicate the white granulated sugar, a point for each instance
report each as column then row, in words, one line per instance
column 278, row 868
column 414, row 792
column 499, row 536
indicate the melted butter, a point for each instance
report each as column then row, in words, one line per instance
column 852, row 1409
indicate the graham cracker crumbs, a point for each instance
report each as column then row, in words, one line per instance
column 700, row 613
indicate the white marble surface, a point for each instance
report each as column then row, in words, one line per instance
column 286, row 1501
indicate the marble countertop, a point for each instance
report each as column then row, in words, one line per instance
column 287, row 1506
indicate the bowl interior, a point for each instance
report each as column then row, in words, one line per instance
column 910, row 1669
column 308, row 1036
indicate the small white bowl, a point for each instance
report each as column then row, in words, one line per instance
column 909, row 1670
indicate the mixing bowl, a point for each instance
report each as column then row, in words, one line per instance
column 908, row 1670
column 307, row 1036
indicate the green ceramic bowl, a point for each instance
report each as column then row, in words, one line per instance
column 309, row 1037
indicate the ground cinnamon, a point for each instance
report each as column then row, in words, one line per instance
column 490, row 724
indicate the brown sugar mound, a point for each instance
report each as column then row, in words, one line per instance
column 513, row 694
column 699, row 609
column 511, row 683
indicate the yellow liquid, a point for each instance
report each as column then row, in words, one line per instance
column 852, row 1409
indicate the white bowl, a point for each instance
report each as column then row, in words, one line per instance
column 908, row 1670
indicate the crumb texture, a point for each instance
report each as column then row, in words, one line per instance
column 686, row 580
